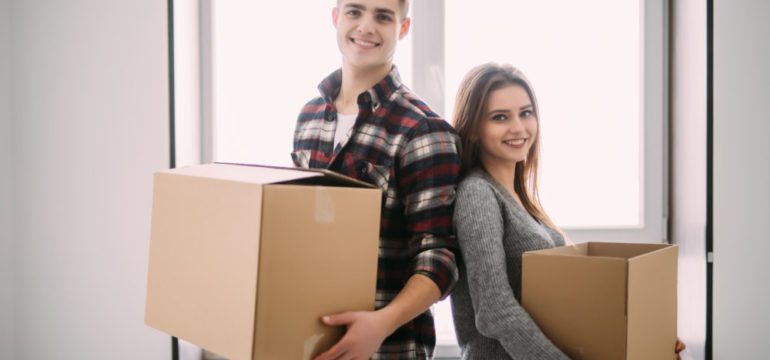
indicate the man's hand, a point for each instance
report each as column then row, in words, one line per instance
column 366, row 331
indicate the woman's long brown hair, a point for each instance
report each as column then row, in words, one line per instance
column 469, row 108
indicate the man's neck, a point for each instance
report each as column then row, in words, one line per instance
column 354, row 82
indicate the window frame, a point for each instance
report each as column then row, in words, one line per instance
column 195, row 132
column 429, row 27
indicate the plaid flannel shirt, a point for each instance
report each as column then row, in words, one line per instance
column 400, row 145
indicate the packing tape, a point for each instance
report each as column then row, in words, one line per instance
column 324, row 206
column 309, row 346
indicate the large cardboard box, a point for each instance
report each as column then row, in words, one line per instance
column 244, row 260
column 600, row 301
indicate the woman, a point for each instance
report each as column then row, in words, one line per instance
column 498, row 215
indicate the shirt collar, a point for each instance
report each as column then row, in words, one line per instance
column 381, row 91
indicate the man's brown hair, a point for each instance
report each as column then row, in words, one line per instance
column 403, row 8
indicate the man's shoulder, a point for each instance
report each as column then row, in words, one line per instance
column 312, row 108
column 405, row 99
column 417, row 116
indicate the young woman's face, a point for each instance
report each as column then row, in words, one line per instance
column 507, row 128
column 368, row 30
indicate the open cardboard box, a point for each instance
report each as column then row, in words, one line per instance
column 605, row 300
column 244, row 260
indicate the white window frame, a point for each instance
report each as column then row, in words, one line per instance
column 428, row 65
column 195, row 130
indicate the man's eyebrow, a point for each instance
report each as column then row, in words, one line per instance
column 355, row 6
column 376, row 10
column 385, row 11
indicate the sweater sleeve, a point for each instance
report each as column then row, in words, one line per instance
column 480, row 231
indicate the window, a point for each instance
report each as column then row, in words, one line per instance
column 598, row 68
column 260, row 82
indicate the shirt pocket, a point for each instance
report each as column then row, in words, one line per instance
column 301, row 158
column 378, row 175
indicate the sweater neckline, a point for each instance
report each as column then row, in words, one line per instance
column 501, row 189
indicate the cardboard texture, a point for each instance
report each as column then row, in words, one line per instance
column 244, row 260
column 599, row 301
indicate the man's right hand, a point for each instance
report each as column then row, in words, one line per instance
column 366, row 330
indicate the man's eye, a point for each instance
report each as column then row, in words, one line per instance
column 354, row 12
column 383, row 18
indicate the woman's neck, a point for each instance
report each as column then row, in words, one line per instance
column 504, row 174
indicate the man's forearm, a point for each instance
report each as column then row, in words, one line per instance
column 419, row 293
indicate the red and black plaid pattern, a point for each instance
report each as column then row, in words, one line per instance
column 399, row 144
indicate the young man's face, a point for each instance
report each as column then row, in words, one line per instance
column 367, row 31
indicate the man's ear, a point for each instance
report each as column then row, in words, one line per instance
column 335, row 15
column 405, row 26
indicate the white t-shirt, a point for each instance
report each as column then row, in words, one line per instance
column 344, row 123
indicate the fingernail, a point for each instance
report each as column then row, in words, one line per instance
column 325, row 319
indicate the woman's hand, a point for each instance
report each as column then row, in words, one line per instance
column 678, row 348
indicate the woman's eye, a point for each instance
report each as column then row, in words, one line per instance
column 526, row 113
column 499, row 117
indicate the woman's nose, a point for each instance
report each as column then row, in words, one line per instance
column 515, row 125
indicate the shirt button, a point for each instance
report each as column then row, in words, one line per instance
column 362, row 169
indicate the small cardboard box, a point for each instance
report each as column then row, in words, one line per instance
column 244, row 260
column 600, row 301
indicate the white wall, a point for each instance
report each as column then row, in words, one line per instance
column 91, row 125
column 6, row 190
column 688, row 168
column 741, row 178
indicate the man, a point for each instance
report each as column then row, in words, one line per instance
column 369, row 126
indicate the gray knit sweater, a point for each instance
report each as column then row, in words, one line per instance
column 493, row 231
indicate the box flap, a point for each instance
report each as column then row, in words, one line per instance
column 263, row 174
column 296, row 175
column 622, row 250
column 244, row 174
column 569, row 250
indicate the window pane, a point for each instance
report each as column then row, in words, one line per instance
column 445, row 327
column 584, row 60
column 266, row 68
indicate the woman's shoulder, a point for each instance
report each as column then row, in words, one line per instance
column 475, row 178
column 475, row 184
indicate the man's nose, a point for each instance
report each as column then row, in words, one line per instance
column 366, row 25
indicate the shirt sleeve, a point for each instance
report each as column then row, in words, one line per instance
column 480, row 231
column 429, row 171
